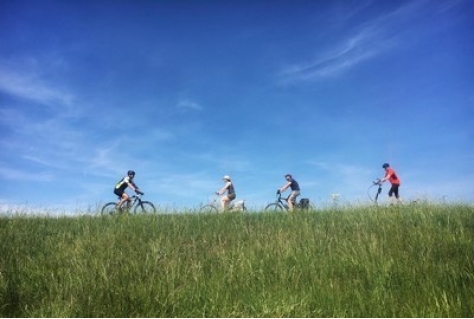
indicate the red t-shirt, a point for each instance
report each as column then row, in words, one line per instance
column 392, row 176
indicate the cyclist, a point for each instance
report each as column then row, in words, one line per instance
column 229, row 188
column 392, row 177
column 120, row 187
column 295, row 190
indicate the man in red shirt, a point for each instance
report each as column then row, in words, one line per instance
column 392, row 177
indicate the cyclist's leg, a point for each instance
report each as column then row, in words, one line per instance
column 119, row 194
column 225, row 201
column 292, row 199
column 391, row 192
column 123, row 198
column 128, row 202
column 395, row 192
column 230, row 198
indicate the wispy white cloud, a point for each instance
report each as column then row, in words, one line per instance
column 37, row 160
column 106, row 161
column 350, row 52
column 362, row 46
column 20, row 175
column 49, row 141
column 186, row 104
column 102, row 157
column 368, row 41
column 21, row 82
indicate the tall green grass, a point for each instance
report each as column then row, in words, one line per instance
column 354, row 262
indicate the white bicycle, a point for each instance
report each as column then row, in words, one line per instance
column 214, row 206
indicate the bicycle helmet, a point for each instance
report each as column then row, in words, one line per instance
column 385, row 165
column 130, row 172
column 226, row 178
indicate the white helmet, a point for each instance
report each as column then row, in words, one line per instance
column 226, row 177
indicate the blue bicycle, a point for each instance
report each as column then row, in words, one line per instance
column 282, row 204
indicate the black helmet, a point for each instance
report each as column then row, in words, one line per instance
column 385, row 165
column 130, row 172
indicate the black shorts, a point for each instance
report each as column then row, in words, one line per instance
column 231, row 196
column 394, row 190
column 118, row 192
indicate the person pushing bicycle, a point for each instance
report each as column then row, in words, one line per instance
column 295, row 190
column 392, row 177
column 229, row 188
column 120, row 187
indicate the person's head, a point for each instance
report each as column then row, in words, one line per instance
column 226, row 178
column 385, row 165
column 288, row 177
column 131, row 174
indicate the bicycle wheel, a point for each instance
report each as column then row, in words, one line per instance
column 109, row 209
column 145, row 207
column 274, row 207
column 208, row 209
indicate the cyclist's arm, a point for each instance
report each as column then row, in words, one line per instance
column 386, row 177
column 133, row 186
column 285, row 187
column 223, row 189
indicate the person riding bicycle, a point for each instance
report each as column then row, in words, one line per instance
column 295, row 190
column 229, row 188
column 392, row 177
column 120, row 187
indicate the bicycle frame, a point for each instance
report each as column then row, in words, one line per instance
column 378, row 183
column 284, row 202
column 214, row 205
column 134, row 200
column 215, row 202
column 135, row 204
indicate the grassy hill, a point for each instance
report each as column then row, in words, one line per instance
column 415, row 261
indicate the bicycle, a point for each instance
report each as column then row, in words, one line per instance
column 139, row 206
column 282, row 204
column 214, row 206
column 377, row 183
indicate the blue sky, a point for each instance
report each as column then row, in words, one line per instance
column 184, row 92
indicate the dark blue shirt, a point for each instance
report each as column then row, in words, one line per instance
column 294, row 185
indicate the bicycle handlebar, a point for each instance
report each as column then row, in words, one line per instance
column 285, row 199
column 279, row 196
column 378, row 181
column 138, row 194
